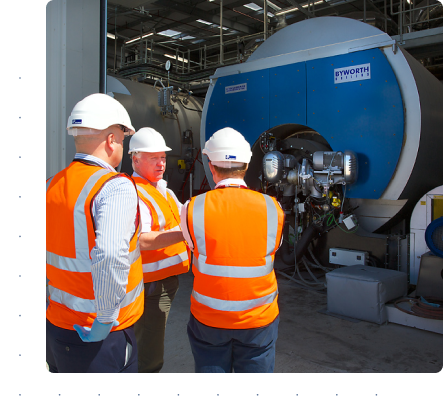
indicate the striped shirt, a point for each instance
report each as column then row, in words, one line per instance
column 114, row 211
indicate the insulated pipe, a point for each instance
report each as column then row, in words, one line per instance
column 287, row 255
column 103, row 44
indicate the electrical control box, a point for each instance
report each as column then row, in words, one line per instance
column 350, row 222
column 342, row 256
column 164, row 100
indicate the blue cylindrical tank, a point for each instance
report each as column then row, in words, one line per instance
column 349, row 86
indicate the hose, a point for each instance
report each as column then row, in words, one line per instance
column 324, row 268
column 309, row 271
column 301, row 246
column 421, row 309
column 287, row 255
column 187, row 108
column 300, row 282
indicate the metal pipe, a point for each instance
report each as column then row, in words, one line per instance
column 190, row 185
column 115, row 41
column 221, row 32
column 401, row 21
column 103, row 44
column 122, row 56
column 176, row 60
column 416, row 8
column 265, row 20
column 200, row 54
column 398, row 253
column 140, row 50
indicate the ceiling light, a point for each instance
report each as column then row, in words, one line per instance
column 255, row 7
column 286, row 10
column 317, row 2
column 203, row 22
column 109, row 35
column 169, row 33
column 180, row 59
column 139, row 38
column 217, row 26
column 211, row 24
column 252, row 6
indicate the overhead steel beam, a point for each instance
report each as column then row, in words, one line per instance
column 300, row 8
column 212, row 17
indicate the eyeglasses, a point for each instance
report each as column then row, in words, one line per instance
column 126, row 130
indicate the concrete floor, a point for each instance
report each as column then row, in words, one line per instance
column 310, row 341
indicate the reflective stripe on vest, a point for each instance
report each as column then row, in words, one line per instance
column 82, row 262
column 87, row 306
column 234, row 271
column 166, row 263
column 161, row 217
column 81, row 265
column 236, row 234
column 71, row 290
column 80, row 226
column 234, row 305
column 199, row 224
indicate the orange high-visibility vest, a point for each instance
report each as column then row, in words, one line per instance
column 70, row 237
column 172, row 260
column 235, row 233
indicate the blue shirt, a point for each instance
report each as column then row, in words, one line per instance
column 114, row 211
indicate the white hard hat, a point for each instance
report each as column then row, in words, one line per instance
column 227, row 146
column 147, row 140
column 99, row 111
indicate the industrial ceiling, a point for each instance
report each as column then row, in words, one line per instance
column 200, row 35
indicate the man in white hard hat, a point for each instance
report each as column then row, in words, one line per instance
column 94, row 269
column 164, row 252
column 234, row 233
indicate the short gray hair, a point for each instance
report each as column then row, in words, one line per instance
column 134, row 155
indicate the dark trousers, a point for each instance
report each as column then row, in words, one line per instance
column 238, row 350
column 150, row 328
column 66, row 352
